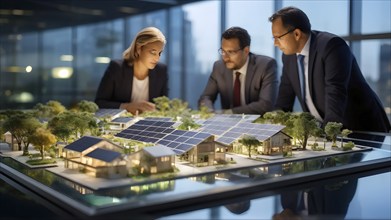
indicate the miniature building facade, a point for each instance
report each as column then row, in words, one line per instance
column 96, row 157
column 154, row 159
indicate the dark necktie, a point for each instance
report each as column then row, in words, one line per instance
column 300, row 65
column 237, row 90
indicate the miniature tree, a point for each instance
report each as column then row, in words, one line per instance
column 86, row 106
column 332, row 129
column 178, row 107
column 51, row 109
column 2, row 130
column 249, row 141
column 162, row 104
column 21, row 125
column 84, row 122
column 205, row 112
column 304, row 125
column 188, row 123
column 61, row 126
column 316, row 133
column 344, row 133
column 42, row 139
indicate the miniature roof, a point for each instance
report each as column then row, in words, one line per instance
column 159, row 151
column 106, row 112
column 229, row 128
column 122, row 120
column 153, row 131
column 103, row 155
column 83, row 143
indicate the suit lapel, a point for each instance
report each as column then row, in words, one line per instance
column 152, row 84
column 249, row 76
column 311, row 60
column 128, row 79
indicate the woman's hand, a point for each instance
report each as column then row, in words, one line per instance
column 138, row 107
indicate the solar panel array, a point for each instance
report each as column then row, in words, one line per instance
column 104, row 155
column 161, row 132
column 122, row 119
column 229, row 128
column 103, row 112
column 83, row 143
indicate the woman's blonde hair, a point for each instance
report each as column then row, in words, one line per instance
column 145, row 36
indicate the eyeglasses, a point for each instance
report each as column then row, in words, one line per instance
column 229, row 52
column 279, row 37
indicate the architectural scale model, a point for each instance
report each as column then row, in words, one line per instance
column 129, row 146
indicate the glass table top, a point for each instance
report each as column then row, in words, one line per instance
column 158, row 196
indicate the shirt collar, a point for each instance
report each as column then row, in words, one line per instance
column 306, row 49
column 243, row 69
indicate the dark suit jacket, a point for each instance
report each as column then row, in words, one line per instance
column 116, row 84
column 337, row 86
column 260, row 87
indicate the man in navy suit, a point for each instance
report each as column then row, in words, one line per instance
column 258, row 82
column 332, row 87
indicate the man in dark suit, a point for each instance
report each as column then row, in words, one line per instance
column 332, row 87
column 247, row 83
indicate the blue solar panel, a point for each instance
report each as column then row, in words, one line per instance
column 161, row 132
column 178, row 132
column 103, row 155
column 106, row 112
column 184, row 147
column 83, row 143
column 178, row 152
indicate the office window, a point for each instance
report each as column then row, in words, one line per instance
column 253, row 16
column 19, row 78
column 93, row 54
column 57, row 70
column 331, row 16
column 201, row 44
column 375, row 64
column 376, row 16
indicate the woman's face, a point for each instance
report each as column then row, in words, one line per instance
column 150, row 54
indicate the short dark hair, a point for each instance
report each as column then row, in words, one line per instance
column 292, row 17
column 239, row 33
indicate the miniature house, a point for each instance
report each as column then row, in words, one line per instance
column 195, row 147
column 202, row 154
column 154, row 159
column 120, row 123
column 275, row 144
column 96, row 157
column 9, row 139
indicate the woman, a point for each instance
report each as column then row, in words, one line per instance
column 133, row 82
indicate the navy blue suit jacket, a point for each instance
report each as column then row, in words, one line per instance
column 336, row 84
column 116, row 84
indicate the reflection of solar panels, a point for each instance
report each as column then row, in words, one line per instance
column 156, row 131
column 107, row 112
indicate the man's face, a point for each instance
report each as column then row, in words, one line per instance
column 285, row 39
column 233, row 56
